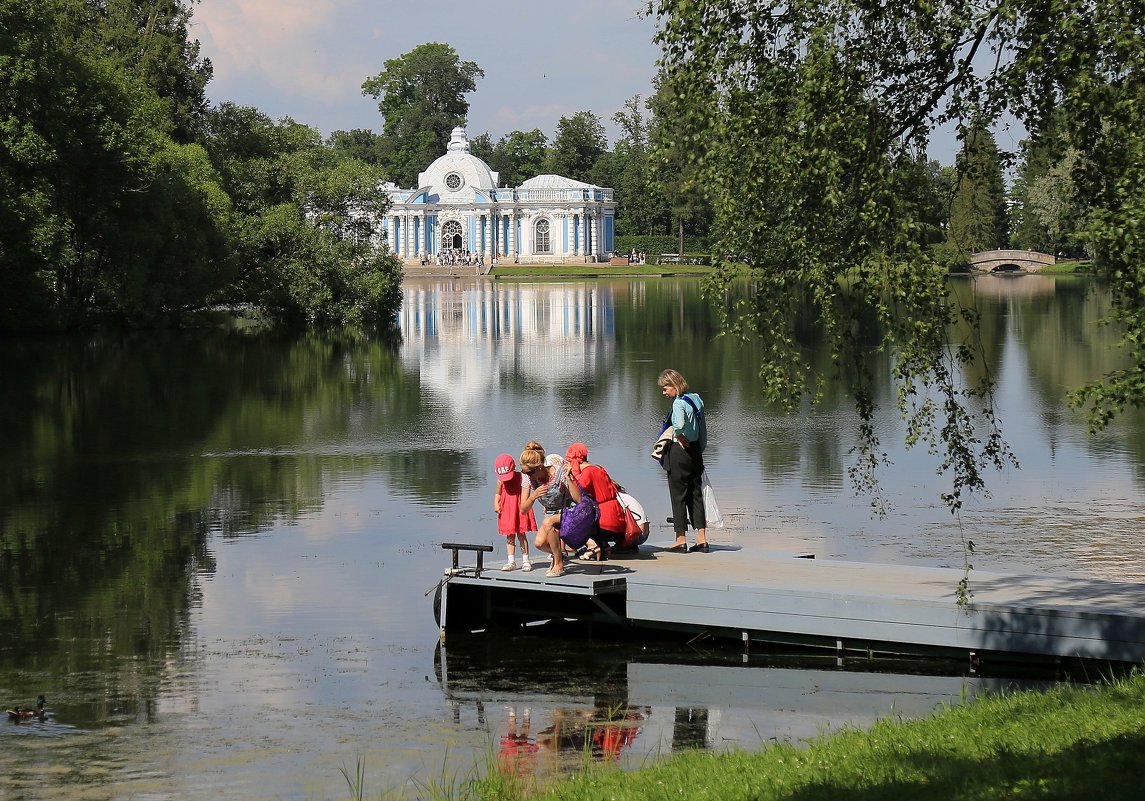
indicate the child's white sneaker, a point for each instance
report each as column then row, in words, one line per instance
column 510, row 565
column 526, row 565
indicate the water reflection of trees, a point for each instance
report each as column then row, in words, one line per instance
column 1055, row 320
column 123, row 453
column 1060, row 325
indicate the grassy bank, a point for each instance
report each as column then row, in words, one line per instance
column 1066, row 743
column 1067, row 267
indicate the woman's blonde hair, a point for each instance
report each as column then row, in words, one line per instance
column 533, row 456
column 670, row 378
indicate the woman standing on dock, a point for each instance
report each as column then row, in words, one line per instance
column 684, row 461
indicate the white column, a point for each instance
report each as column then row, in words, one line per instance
column 595, row 241
column 513, row 248
column 392, row 231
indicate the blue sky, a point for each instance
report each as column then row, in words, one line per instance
column 306, row 59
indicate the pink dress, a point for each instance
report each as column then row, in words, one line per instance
column 510, row 521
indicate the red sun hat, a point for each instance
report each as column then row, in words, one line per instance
column 505, row 467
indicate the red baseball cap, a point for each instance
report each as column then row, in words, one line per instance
column 505, row 467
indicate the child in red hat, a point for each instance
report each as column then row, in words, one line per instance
column 511, row 521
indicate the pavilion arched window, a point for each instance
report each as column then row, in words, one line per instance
column 541, row 241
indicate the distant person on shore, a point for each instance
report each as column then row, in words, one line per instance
column 514, row 523
column 684, row 460
column 546, row 479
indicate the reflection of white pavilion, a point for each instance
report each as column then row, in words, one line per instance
column 457, row 206
column 463, row 341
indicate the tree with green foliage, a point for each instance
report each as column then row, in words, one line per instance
column 677, row 177
column 1048, row 213
column 579, row 141
column 978, row 217
column 309, row 249
column 359, row 143
column 640, row 208
column 150, row 40
column 804, row 122
column 520, row 155
column 482, row 147
column 102, row 213
column 421, row 97
column 122, row 202
column 801, row 116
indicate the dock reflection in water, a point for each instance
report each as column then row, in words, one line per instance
column 629, row 703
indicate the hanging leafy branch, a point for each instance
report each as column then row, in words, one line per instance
column 808, row 123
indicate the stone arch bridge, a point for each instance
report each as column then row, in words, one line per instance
column 1006, row 260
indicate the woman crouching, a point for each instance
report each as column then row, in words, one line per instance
column 547, row 480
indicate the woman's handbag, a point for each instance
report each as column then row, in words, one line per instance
column 579, row 521
column 634, row 512
column 711, row 510
column 632, row 528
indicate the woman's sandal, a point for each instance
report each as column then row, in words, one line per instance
column 597, row 554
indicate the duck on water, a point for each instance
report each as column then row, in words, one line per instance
column 18, row 714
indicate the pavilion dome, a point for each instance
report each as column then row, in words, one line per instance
column 458, row 174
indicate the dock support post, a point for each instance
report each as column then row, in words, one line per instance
column 442, row 599
column 838, row 653
column 746, row 645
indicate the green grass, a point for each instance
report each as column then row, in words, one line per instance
column 1066, row 743
column 1067, row 267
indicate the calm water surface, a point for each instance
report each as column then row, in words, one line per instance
column 216, row 550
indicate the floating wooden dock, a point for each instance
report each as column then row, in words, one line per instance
column 793, row 599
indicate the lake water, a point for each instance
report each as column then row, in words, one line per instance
column 216, row 550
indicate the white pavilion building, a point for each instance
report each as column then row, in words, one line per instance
column 458, row 207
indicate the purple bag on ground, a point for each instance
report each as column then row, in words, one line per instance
column 578, row 522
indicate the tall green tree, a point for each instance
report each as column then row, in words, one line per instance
column 1049, row 214
column 103, row 213
column 483, row 147
column 579, row 141
column 520, row 155
column 978, row 217
column 359, row 143
column 676, row 170
column 150, row 39
column 640, row 207
column 421, row 97
column 309, row 248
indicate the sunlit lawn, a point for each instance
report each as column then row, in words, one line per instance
column 1067, row 743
